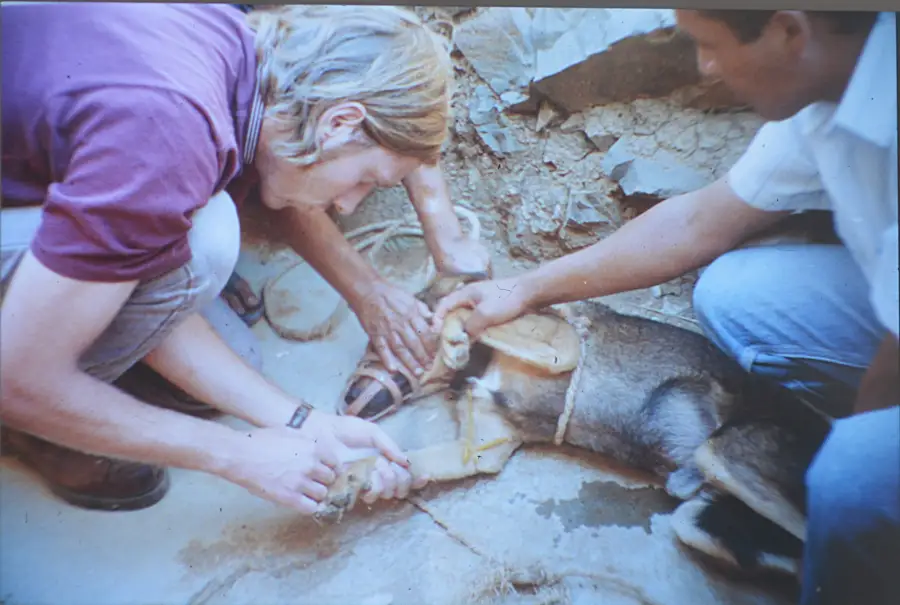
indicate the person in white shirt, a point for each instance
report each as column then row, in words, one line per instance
column 818, row 318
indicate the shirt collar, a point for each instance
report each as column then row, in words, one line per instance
column 868, row 108
column 254, row 123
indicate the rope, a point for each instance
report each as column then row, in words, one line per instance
column 581, row 325
column 371, row 238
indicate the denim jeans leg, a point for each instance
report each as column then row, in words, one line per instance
column 853, row 542
column 798, row 314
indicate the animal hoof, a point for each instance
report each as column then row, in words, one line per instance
column 729, row 534
column 684, row 483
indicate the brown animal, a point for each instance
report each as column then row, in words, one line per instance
column 650, row 395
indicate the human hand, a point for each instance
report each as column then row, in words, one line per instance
column 351, row 433
column 463, row 256
column 391, row 477
column 398, row 326
column 281, row 466
column 389, row 481
column 493, row 302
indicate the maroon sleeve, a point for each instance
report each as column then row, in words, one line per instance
column 132, row 164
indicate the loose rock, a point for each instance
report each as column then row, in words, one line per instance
column 580, row 57
column 662, row 175
column 491, row 125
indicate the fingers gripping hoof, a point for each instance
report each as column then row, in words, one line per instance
column 346, row 489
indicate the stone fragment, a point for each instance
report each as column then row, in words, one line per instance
column 573, row 123
column 660, row 175
column 576, row 58
column 603, row 141
column 584, row 215
column 564, row 151
column 610, row 55
column 497, row 43
column 546, row 114
column 492, row 126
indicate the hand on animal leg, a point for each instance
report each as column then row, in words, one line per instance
column 388, row 481
column 370, row 479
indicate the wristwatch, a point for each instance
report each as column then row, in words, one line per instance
column 300, row 415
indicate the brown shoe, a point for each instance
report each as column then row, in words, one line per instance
column 146, row 384
column 86, row 481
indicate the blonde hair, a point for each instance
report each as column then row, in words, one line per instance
column 385, row 58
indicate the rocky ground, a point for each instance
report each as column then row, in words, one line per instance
column 559, row 139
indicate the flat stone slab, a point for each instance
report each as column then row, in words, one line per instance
column 580, row 57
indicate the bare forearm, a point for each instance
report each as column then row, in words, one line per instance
column 676, row 236
column 197, row 360
column 315, row 237
column 429, row 195
column 80, row 412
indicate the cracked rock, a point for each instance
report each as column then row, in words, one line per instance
column 584, row 214
column 660, row 175
column 497, row 42
column 492, row 126
column 707, row 144
column 546, row 114
column 605, row 56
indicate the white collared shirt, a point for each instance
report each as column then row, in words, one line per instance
column 841, row 157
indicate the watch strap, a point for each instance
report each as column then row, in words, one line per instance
column 300, row 415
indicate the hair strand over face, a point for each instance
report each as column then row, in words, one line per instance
column 315, row 57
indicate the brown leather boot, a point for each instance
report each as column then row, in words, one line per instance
column 86, row 481
column 146, row 384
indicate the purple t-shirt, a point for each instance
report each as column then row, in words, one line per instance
column 121, row 119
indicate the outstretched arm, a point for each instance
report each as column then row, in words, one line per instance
column 672, row 238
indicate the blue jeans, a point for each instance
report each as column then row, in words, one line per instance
column 800, row 315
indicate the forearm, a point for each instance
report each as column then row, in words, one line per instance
column 880, row 386
column 78, row 411
column 196, row 359
column 428, row 193
column 678, row 235
column 316, row 238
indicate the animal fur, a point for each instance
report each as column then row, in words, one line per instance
column 654, row 397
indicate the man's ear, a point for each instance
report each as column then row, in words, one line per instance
column 340, row 124
column 789, row 31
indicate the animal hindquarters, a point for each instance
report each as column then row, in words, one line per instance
column 764, row 462
column 679, row 416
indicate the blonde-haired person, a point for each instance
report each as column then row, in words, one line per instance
column 356, row 98
column 131, row 134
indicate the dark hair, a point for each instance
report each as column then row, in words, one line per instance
column 748, row 25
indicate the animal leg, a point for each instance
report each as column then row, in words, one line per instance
column 680, row 415
column 685, row 482
column 459, row 459
column 763, row 463
column 725, row 531
column 441, row 463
